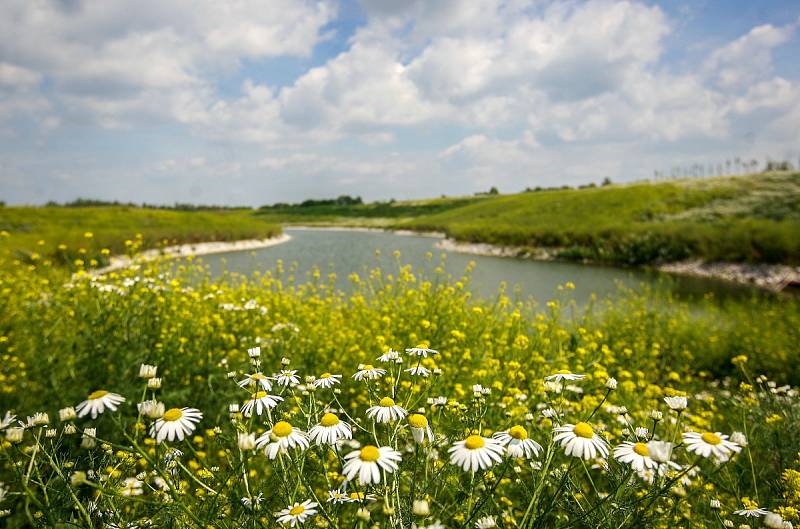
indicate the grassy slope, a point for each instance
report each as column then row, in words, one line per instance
column 755, row 218
column 112, row 226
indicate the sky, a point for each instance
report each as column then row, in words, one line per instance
column 252, row 102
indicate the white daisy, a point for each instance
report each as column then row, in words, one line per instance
column 259, row 379
column 418, row 371
column 369, row 461
column 707, row 444
column 637, row 455
column 386, row 411
column 476, row 452
column 254, row 352
column 7, row 419
column 579, row 440
column 338, row 496
column 327, row 381
column 487, row 522
column 421, row 351
column 260, row 402
column 281, row 437
column 389, row 356
column 329, row 430
column 517, row 443
column 368, row 372
column 420, row 428
column 676, row 403
column 287, row 377
column 297, row 513
column 176, row 423
column 562, row 375
column 755, row 512
column 97, row 402
column 131, row 487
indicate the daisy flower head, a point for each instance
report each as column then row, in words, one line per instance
column 487, row 522
column 476, row 453
column 677, row 403
column 562, row 375
column 131, row 487
column 386, row 411
column 281, row 437
column 420, row 429
column 368, row 462
column 421, row 351
column 338, row 496
column 579, row 440
column 7, row 419
column 327, row 381
column 287, row 377
column 329, row 430
column 389, row 356
column 517, row 444
column 368, row 372
column 254, row 352
column 637, row 455
column 256, row 379
column 176, row 423
column 297, row 514
column 97, row 402
column 755, row 512
column 421, row 371
column 259, row 402
column 709, row 444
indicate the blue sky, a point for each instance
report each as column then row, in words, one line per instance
column 253, row 103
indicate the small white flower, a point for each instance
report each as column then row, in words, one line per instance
column 147, row 371
column 637, row 455
column 386, row 411
column 89, row 438
column 418, row 371
column 176, row 423
column 256, row 379
column 389, row 356
column 487, row 522
column 282, row 437
column 329, row 430
column 611, row 383
column 715, row 504
column 676, row 403
column 151, row 409
column 97, row 402
column 368, row 372
column 260, row 402
column 579, row 440
column 287, row 377
column 368, row 462
column 421, row 351
column 131, row 487
column 739, row 438
column 751, row 513
column 7, row 419
column 420, row 508
column 247, row 441
column 14, row 435
column 154, row 383
column 564, row 374
column 660, row 451
column 641, row 432
column 517, row 444
column 476, row 453
column 297, row 514
column 254, row 352
column 775, row 521
column 420, row 429
column 327, row 380
column 708, row 443
column 67, row 414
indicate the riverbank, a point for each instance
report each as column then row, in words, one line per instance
column 195, row 249
column 775, row 278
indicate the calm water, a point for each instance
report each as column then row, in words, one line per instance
column 344, row 252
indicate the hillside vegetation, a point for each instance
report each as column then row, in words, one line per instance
column 68, row 234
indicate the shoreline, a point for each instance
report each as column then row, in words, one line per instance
column 192, row 249
column 365, row 229
column 775, row 278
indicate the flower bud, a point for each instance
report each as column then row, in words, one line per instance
column 421, row 508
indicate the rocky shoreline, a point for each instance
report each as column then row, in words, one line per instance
column 776, row 278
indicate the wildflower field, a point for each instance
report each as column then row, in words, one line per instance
column 160, row 397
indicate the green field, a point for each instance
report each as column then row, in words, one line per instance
column 753, row 218
column 65, row 234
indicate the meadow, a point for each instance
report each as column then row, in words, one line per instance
column 160, row 397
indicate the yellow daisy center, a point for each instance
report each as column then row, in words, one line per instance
column 297, row 510
column 98, row 394
column 417, row 421
column 518, row 432
column 259, row 395
column 325, row 375
column 367, row 367
column 282, row 429
column 386, row 402
column 711, row 438
column 370, row 453
column 329, row 419
column 356, row 495
column 563, row 372
column 257, row 376
column 641, row 449
column 173, row 414
column 473, row 442
column 583, row 430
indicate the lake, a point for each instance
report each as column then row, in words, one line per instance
column 346, row 251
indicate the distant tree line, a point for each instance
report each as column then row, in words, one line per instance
column 177, row 206
column 341, row 200
column 728, row 167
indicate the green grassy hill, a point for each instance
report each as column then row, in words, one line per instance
column 744, row 219
column 65, row 234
